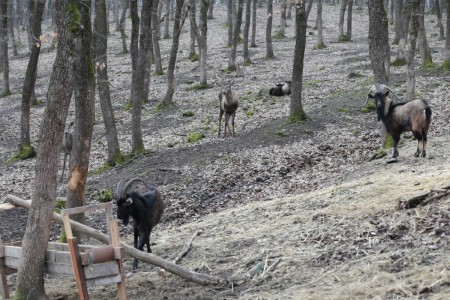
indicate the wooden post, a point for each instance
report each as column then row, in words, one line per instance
column 75, row 257
column 115, row 239
column 4, row 292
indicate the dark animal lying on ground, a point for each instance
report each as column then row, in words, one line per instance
column 229, row 103
column 144, row 205
column 281, row 89
column 397, row 118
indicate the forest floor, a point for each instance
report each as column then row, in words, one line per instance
column 303, row 198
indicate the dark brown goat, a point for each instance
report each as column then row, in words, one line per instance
column 229, row 103
column 281, row 89
column 397, row 118
column 144, row 205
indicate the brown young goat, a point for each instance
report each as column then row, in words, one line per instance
column 229, row 103
column 397, row 118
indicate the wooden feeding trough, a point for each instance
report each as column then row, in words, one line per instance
column 90, row 265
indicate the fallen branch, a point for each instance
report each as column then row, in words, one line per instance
column 423, row 199
column 146, row 257
column 185, row 251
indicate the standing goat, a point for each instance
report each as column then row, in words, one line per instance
column 397, row 118
column 229, row 103
column 281, row 89
column 145, row 207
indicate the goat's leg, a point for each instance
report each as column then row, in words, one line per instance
column 220, row 120
column 418, row 135
column 144, row 238
column 227, row 125
column 396, row 140
column 424, row 144
column 232, row 121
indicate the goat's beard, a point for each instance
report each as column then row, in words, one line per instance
column 380, row 112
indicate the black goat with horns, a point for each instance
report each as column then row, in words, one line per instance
column 144, row 205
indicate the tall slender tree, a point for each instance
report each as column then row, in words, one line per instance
column 100, row 46
column 246, row 52
column 439, row 19
column 236, row 34
column 413, row 34
column 141, row 42
column 123, row 16
column 230, row 22
column 84, row 96
column 320, row 43
column 283, row 8
column 269, row 44
column 424, row 48
column 156, row 36
column 177, row 26
column 30, row 78
column 30, row 276
column 296, row 112
column 253, row 40
column 211, row 9
column 341, row 20
column 379, row 50
column 446, row 63
column 4, row 46
column 202, row 40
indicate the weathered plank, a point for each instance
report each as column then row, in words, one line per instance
column 87, row 208
column 103, row 281
column 101, row 270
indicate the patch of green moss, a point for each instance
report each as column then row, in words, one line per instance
column 446, row 65
column 190, row 81
column 388, row 142
column 139, row 150
column 355, row 131
column 297, row 119
column 343, row 38
column 25, row 153
column 128, row 106
column 74, row 18
column 193, row 57
column 188, row 113
column 344, row 110
column 62, row 237
column 320, row 46
column 229, row 70
column 278, row 35
column 354, row 74
column 158, row 73
column 380, row 153
column 247, row 62
column 369, row 107
column 60, row 204
column 194, row 137
column 398, row 62
column 105, row 196
column 162, row 106
column 250, row 113
column 36, row 102
column 282, row 132
column 207, row 120
column 428, row 66
column 225, row 25
column 200, row 86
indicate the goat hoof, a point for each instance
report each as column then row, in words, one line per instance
column 417, row 154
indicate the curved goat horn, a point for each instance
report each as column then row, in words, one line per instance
column 125, row 187
column 119, row 188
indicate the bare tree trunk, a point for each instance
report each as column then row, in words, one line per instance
column 413, row 33
column 289, row 9
column 398, row 8
column 201, row 36
column 269, row 45
column 424, row 48
column 126, row 5
column 439, row 18
column 401, row 56
column 30, row 277
column 101, row 63
column 253, row 40
column 192, row 54
column 230, row 22
column 296, row 112
column 211, row 9
column 4, row 46
column 156, row 38
column 138, row 81
column 349, row 19
column 283, row 7
column 84, row 113
column 247, row 60
column 30, row 77
column 11, row 21
column 236, row 34
column 320, row 43
column 379, row 41
column 166, row 20
column 177, row 26
column 447, row 38
column 341, row 19
column 116, row 12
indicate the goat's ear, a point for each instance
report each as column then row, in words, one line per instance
column 370, row 96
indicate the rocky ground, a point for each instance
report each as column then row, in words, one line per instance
column 302, row 198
